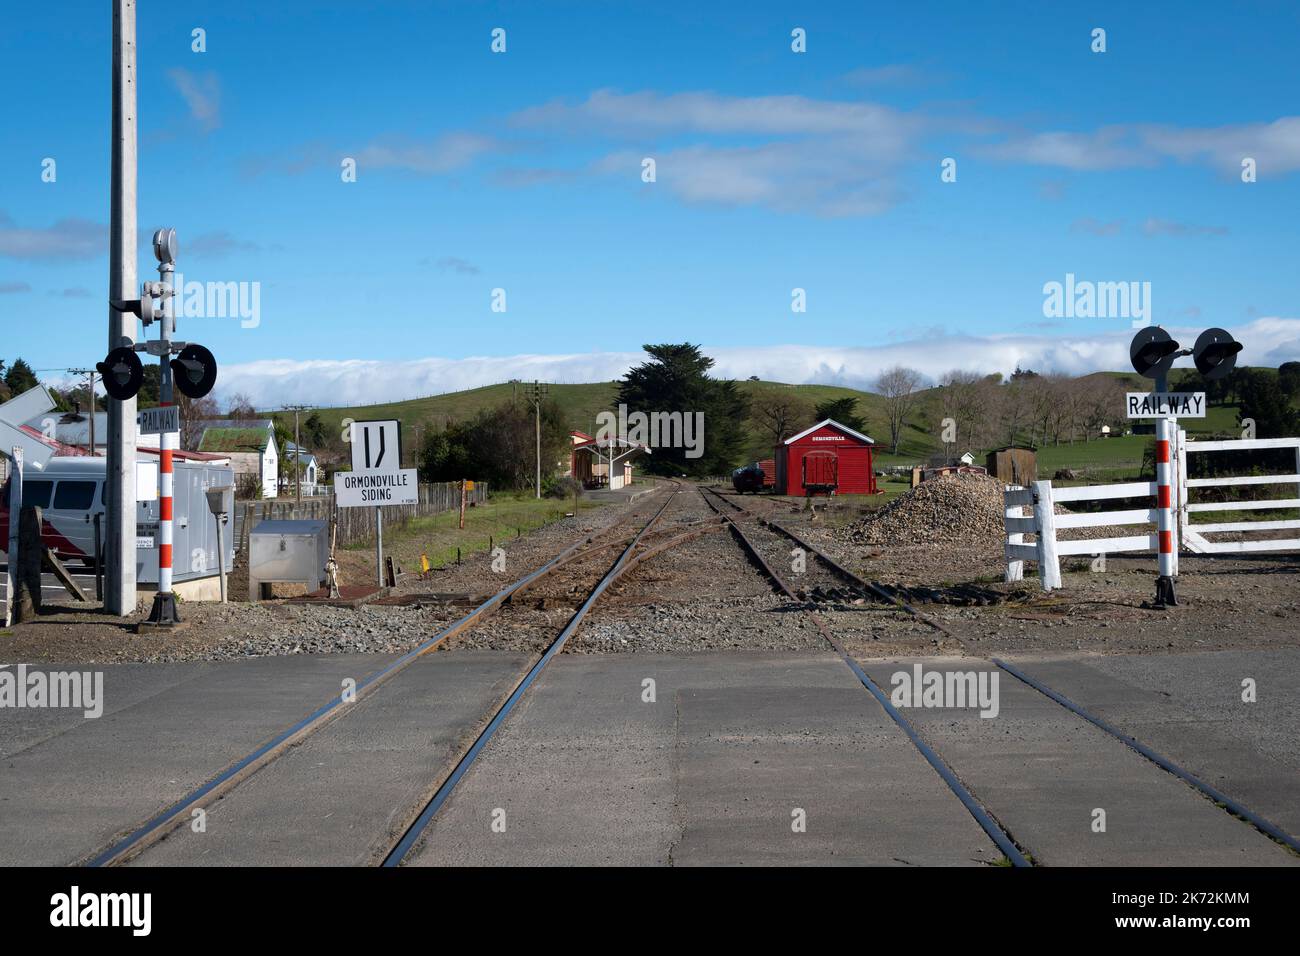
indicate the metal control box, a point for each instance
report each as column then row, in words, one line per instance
column 287, row 552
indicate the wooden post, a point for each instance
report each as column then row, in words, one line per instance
column 1049, row 567
column 27, row 600
column 1015, row 569
column 462, row 504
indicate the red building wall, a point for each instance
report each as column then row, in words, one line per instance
column 854, row 462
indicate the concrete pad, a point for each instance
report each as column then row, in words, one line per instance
column 588, row 773
column 1189, row 708
column 125, row 685
column 1042, row 771
column 73, row 792
column 348, row 791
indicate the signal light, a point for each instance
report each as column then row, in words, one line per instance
column 122, row 373
column 1215, row 353
column 1152, row 352
column 194, row 371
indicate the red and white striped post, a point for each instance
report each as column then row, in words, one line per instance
column 1165, row 513
column 163, row 613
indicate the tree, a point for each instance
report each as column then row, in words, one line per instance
column 898, row 386
column 675, row 382
column 150, row 393
column 313, row 431
column 497, row 446
column 239, row 407
column 1263, row 400
column 842, row 410
column 1288, row 376
column 20, row 377
column 780, row 412
column 193, row 411
column 963, row 403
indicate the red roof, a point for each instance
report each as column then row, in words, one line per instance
column 187, row 455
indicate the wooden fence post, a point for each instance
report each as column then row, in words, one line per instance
column 1049, row 566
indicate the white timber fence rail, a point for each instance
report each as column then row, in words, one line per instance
column 356, row 524
column 1193, row 534
column 1043, row 522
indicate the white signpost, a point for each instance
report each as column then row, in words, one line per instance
column 361, row 489
column 164, row 418
column 377, row 477
column 1166, row 405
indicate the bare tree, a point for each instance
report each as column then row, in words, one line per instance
column 963, row 402
column 239, row 408
column 780, row 413
column 193, row 411
column 898, row 386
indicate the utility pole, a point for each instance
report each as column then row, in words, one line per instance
column 120, row 497
column 536, row 394
column 90, row 384
column 297, row 452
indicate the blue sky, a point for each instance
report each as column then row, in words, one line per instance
column 775, row 170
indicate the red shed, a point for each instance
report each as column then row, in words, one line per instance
column 827, row 459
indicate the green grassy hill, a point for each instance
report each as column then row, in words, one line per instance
column 580, row 405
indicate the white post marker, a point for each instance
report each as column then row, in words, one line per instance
column 15, row 509
column 1049, row 564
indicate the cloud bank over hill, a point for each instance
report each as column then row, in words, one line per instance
column 271, row 382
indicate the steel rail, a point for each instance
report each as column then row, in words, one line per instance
column 1232, row 806
column 873, row 586
column 995, row 831
column 416, row 830
column 1164, row 763
column 158, row 826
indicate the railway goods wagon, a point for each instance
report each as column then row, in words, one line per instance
column 827, row 459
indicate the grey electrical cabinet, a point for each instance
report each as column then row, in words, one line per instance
column 287, row 552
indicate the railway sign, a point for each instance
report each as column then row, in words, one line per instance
column 376, row 446
column 1166, row 405
column 369, row 489
column 164, row 418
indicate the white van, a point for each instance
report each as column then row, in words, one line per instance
column 69, row 492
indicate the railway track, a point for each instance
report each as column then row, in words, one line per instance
column 995, row 831
column 589, row 568
column 561, row 574
column 896, row 595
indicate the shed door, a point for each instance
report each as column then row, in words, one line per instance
column 820, row 469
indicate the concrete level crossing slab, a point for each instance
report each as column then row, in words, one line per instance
column 735, row 750
column 1194, row 710
column 1044, row 772
column 65, row 794
column 347, row 792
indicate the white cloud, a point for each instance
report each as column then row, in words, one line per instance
column 202, row 94
column 1269, row 341
column 66, row 239
column 1274, row 145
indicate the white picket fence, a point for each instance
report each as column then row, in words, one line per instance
column 1193, row 534
column 1044, row 523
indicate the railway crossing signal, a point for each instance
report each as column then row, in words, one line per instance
column 1152, row 353
column 1215, row 353
column 194, row 371
column 122, row 373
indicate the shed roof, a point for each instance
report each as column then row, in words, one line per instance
column 252, row 439
column 833, row 424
